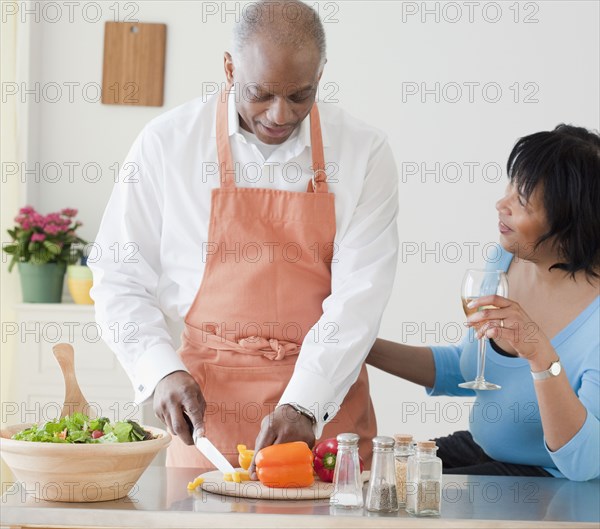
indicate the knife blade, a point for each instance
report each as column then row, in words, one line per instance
column 211, row 453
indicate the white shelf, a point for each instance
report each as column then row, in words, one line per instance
column 55, row 307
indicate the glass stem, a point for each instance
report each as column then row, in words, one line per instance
column 481, row 360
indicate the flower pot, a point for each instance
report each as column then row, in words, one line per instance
column 79, row 272
column 42, row 283
column 80, row 290
column 80, row 281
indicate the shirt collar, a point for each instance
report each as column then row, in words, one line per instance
column 233, row 123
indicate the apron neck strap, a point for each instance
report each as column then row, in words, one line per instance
column 226, row 167
column 318, row 182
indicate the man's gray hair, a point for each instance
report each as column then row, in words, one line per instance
column 283, row 22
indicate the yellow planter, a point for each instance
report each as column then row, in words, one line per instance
column 80, row 290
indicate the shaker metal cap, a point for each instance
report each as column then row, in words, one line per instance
column 348, row 438
column 383, row 441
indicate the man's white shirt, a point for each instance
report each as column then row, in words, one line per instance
column 158, row 216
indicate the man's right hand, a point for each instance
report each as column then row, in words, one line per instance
column 179, row 403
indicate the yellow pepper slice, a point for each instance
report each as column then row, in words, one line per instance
column 236, row 477
column 195, row 484
column 245, row 456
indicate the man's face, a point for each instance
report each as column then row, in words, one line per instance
column 275, row 88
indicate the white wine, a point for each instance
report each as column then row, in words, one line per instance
column 477, row 284
column 468, row 311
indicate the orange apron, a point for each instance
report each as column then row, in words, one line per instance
column 267, row 273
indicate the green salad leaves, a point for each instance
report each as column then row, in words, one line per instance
column 79, row 428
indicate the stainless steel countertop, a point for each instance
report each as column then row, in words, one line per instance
column 161, row 499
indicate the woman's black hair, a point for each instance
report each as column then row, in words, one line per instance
column 566, row 161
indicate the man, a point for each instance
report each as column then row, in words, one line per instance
column 268, row 224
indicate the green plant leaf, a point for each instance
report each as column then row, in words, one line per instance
column 52, row 247
column 24, row 236
column 41, row 256
column 10, row 249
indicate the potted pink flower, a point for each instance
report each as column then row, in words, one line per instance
column 42, row 246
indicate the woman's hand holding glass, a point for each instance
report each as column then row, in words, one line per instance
column 477, row 284
column 508, row 323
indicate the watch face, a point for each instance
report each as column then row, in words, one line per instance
column 555, row 369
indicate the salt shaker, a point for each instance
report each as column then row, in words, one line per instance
column 424, row 481
column 347, row 482
column 381, row 494
column 402, row 451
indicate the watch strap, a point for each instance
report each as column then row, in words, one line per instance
column 553, row 371
column 301, row 410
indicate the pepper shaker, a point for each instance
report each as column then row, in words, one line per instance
column 347, row 481
column 382, row 495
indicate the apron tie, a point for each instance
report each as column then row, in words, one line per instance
column 270, row 348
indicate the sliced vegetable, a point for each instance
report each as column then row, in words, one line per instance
column 236, row 477
column 285, row 465
column 325, row 454
column 192, row 485
column 79, row 428
column 245, row 457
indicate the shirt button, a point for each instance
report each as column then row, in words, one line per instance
column 140, row 388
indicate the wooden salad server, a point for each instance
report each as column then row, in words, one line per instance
column 74, row 399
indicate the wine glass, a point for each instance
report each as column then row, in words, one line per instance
column 476, row 284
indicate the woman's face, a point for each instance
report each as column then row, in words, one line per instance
column 522, row 223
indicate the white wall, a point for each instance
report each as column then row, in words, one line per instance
column 378, row 53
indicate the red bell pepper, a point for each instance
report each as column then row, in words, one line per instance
column 325, row 454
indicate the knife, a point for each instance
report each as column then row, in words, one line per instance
column 211, row 453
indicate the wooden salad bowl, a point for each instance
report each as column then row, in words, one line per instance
column 79, row 472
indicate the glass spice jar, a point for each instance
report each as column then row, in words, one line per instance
column 347, row 481
column 403, row 449
column 381, row 494
column 424, row 481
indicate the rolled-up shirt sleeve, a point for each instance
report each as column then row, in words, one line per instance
column 125, row 261
column 579, row 459
column 363, row 271
column 447, row 370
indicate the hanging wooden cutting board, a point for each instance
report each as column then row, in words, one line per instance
column 134, row 64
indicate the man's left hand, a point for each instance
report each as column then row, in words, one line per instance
column 284, row 425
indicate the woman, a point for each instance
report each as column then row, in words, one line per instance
column 545, row 424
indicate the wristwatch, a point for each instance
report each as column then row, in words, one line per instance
column 301, row 410
column 553, row 371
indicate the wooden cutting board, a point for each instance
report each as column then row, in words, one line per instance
column 134, row 64
column 213, row 482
